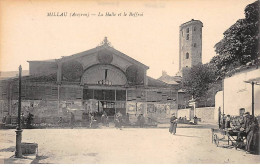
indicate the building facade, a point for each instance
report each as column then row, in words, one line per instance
column 238, row 95
column 190, row 45
column 98, row 80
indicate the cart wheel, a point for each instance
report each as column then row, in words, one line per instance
column 216, row 139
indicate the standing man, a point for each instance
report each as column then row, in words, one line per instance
column 127, row 119
column 4, row 119
column 195, row 120
column 72, row 120
column 22, row 120
column 252, row 128
column 223, row 123
column 29, row 121
column 118, row 120
column 60, row 122
column 104, row 119
column 219, row 117
column 228, row 121
column 92, row 119
column 142, row 121
column 173, row 124
column 185, row 119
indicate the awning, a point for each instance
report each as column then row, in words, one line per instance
column 255, row 80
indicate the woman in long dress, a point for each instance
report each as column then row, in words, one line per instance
column 173, row 126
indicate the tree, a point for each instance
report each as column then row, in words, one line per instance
column 240, row 43
column 197, row 80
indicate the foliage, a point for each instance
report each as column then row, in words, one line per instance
column 196, row 82
column 240, row 43
column 238, row 47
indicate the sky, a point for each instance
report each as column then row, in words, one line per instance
column 28, row 33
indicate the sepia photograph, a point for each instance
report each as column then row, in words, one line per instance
column 129, row 82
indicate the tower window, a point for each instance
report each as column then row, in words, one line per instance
column 187, row 37
column 187, row 30
column 187, row 55
column 182, row 33
column 195, row 45
column 194, row 29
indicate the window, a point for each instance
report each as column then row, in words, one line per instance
column 194, row 45
column 187, row 55
column 182, row 33
column 194, row 29
column 187, row 37
column 187, row 30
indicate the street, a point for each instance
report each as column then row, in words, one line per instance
column 126, row 146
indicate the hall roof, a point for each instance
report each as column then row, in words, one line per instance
column 105, row 44
column 157, row 83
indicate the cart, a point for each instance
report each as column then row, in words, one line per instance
column 234, row 138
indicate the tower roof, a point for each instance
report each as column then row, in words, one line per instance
column 191, row 22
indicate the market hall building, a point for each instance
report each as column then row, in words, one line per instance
column 97, row 80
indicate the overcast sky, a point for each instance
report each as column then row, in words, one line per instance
column 27, row 33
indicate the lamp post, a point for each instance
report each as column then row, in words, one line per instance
column 253, row 99
column 253, row 83
column 18, row 151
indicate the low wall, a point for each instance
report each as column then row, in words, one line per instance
column 206, row 114
column 183, row 113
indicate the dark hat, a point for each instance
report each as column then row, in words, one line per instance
column 247, row 113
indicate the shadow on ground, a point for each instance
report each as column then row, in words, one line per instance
column 10, row 149
column 38, row 158
column 187, row 136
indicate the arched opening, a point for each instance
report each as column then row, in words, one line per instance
column 187, row 55
column 104, row 75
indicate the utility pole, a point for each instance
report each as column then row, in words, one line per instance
column 253, row 100
column 18, row 151
column 253, row 83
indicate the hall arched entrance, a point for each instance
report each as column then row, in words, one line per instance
column 108, row 100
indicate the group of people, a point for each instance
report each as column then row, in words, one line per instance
column 119, row 120
column 26, row 121
column 182, row 119
column 246, row 125
column 186, row 121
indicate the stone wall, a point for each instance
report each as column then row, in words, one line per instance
column 206, row 114
column 190, row 42
column 183, row 113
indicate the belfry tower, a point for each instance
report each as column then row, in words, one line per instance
column 190, row 45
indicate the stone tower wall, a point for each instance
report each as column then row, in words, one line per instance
column 190, row 49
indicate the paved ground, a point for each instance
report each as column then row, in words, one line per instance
column 130, row 145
